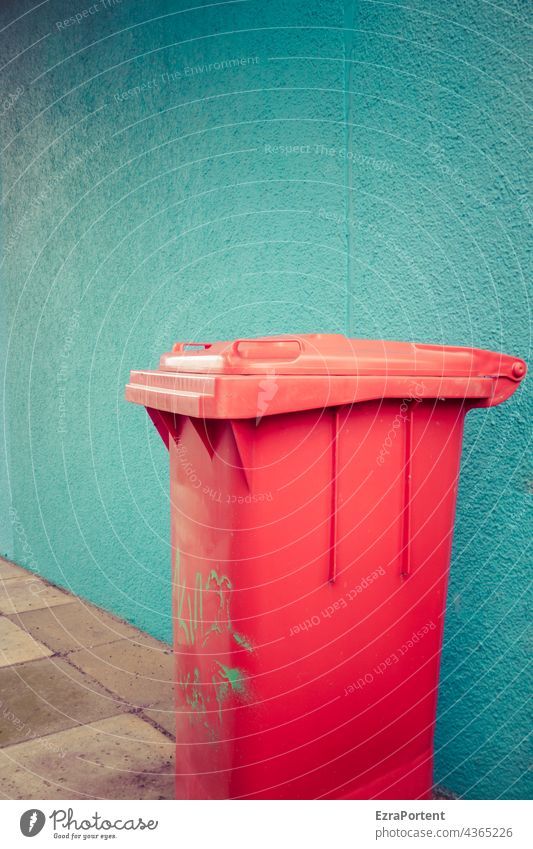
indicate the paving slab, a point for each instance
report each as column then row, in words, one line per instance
column 78, row 625
column 123, row 757
column 29, row 593
column 17, row 646
column 165, row 717
column 141, row 674
column 10, row 570
column 40, row 697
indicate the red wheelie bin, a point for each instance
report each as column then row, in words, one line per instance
column 313, row 488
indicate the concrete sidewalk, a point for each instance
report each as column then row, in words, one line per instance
column 86, row 700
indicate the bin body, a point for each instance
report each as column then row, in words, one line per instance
column 311, row 551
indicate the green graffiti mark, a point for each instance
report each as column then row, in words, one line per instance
column 198, row 695
column 192, row 692
column 180, row 591
column 213, row 597
column 221, row 688
column 220, row 586
column 201, row 611
column 243, row 641
column 235, row 677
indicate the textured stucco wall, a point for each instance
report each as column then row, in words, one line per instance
column 361, row 169
column 439, row 254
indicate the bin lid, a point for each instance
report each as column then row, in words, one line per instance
column 332, row 354
column 247, row 378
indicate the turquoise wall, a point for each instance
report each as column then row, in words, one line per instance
column 253, row 167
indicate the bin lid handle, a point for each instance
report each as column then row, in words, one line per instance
column 288, row 348
column 182, row 347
